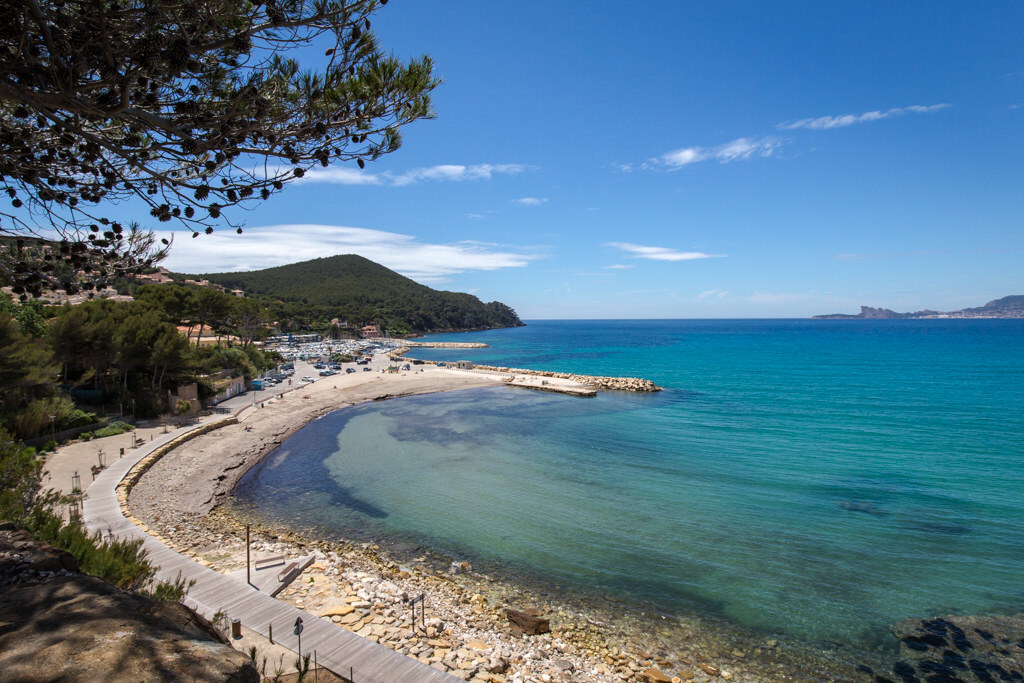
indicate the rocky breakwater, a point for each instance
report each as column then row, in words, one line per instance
column 605, row 383
column 444, row 345
column 57, row 624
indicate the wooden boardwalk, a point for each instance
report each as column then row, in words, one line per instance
column 337, row 649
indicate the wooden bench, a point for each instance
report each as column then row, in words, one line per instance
column 287, row 571
column 269, row 561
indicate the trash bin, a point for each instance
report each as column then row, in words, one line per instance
column 236, row 628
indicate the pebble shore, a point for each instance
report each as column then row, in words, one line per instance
column 465, row 631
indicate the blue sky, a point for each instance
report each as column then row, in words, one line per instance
column 684, row 160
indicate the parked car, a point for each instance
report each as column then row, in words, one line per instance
column 367, row 370
column 307, row 378
column 350, row 369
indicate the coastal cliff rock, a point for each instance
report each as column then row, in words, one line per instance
column 59, row 625
column 1006, row 307
column 960, row 648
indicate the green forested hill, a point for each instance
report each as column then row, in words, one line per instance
column 360, row 291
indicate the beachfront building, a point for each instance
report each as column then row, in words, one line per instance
column 370, row 332
column 185, row 399
column 463, row 365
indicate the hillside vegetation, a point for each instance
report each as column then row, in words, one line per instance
column 359, row 291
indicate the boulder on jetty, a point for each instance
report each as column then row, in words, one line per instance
column 528, row 622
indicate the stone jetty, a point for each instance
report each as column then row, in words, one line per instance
column 636, row 384
column 441, row 345
column 605, row 383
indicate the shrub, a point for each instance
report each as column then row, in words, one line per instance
column 20, row 477
column 85, row 436
column 34, row 418
column 77, row 418
column 113, row 429
column 122, row 563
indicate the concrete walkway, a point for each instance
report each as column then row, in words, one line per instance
column 337, row 649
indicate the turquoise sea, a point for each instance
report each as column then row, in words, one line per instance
column 813, row 479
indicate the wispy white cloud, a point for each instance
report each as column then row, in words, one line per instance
column 660, row 253
column 458, row 172
column 738, row 150
column 713, row 293
column 439, row 173
column 827, row 122
column 530, row 201
column 618, row 266
column 268, row 246
column 742, row 149
column 342, row 176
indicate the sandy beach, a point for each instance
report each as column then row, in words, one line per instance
column 185, row 498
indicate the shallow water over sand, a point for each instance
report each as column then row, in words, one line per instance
column 812, row 480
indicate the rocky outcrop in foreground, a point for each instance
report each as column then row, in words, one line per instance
column 57, row 624
column 958, row 648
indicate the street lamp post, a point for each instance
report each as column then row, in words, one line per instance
column 53, row 433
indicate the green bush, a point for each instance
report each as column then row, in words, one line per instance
column 172, row 591
column 34, row 418
column 20, row 476
column 77, row 418
column 122, row 563
column 50, row 446
column 113, row 429
column 85, row 436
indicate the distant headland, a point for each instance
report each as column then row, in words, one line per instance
column 1007, row 307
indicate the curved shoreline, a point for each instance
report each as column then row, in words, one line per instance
column 205, row 475
column 181, row 497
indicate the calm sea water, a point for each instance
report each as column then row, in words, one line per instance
column 816, row 479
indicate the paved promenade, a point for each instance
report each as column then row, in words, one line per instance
column 337, row 649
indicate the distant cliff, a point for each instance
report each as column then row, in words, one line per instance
column 1007, row 307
